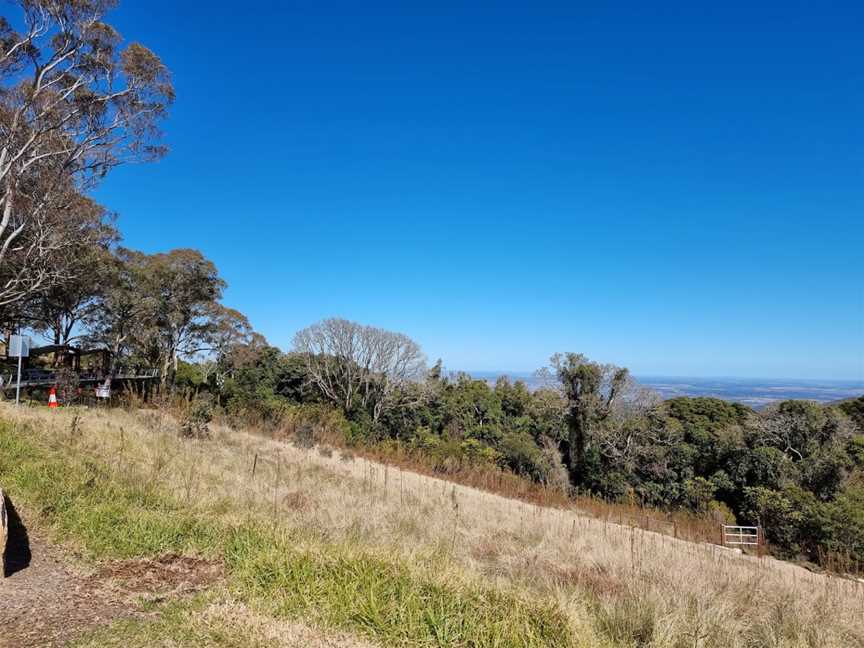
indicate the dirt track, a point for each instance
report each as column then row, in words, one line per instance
column 49, row 598
column 43, row 600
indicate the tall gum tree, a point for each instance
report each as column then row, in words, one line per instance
column 58, row 311
column 180, row 313
column 74, row 103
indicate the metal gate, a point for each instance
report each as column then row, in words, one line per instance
column 741, row 536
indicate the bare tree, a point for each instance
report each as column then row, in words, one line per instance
column 357, row 365
column 73, row 104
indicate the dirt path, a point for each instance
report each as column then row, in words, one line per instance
column 44, row 600
column 49, row 598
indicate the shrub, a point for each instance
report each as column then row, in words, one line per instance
column 846, row 520
column 698, row 494
column 796, row 523
column 854, row 409
column 196, row 418
column 522, row 455
column 474, row 452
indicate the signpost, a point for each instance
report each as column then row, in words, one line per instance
column 19, row 347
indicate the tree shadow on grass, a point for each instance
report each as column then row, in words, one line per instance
column 17, row 554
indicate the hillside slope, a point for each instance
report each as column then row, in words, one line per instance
column 398, row 558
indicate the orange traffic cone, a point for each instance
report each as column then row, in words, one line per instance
column 52, row 398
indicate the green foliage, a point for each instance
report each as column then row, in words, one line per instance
column 699, row 494
column 259, row 384
column 795, row 521
column 705, row 418
column 471, row 409
column 793, row 468
column 522, row 455
column 825, row 473
column 591, row 390
column 846, row 519
column 198, row 414
column 190, row 376
column 855, row 450
column 854, row 409
column 763, row 466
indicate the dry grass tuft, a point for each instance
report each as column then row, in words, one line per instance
column 297, row 501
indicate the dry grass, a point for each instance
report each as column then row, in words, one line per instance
column 618, row 585
column 493, row 479
column 678, row 524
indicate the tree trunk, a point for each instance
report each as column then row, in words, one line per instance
column 163, row 377
column 58, row 355
column 577, row 447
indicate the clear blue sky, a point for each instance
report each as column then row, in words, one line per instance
column 678, row 188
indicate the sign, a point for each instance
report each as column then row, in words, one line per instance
column 19, row 346
column 104, row 390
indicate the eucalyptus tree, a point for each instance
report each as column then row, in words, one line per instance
column 74, row 103
column 159, row 308
column 119, row 307
column 180, row 291
column 59, row 311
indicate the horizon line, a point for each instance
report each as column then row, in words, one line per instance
column 856, row 382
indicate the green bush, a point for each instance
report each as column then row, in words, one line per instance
column 197, row 417
column 854, row 409
column 796, row 523
column 521, row 455
column 699, row 494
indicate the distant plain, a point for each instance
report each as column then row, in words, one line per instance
column 753, row 392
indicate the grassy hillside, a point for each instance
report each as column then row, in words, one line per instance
column 316, row 541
